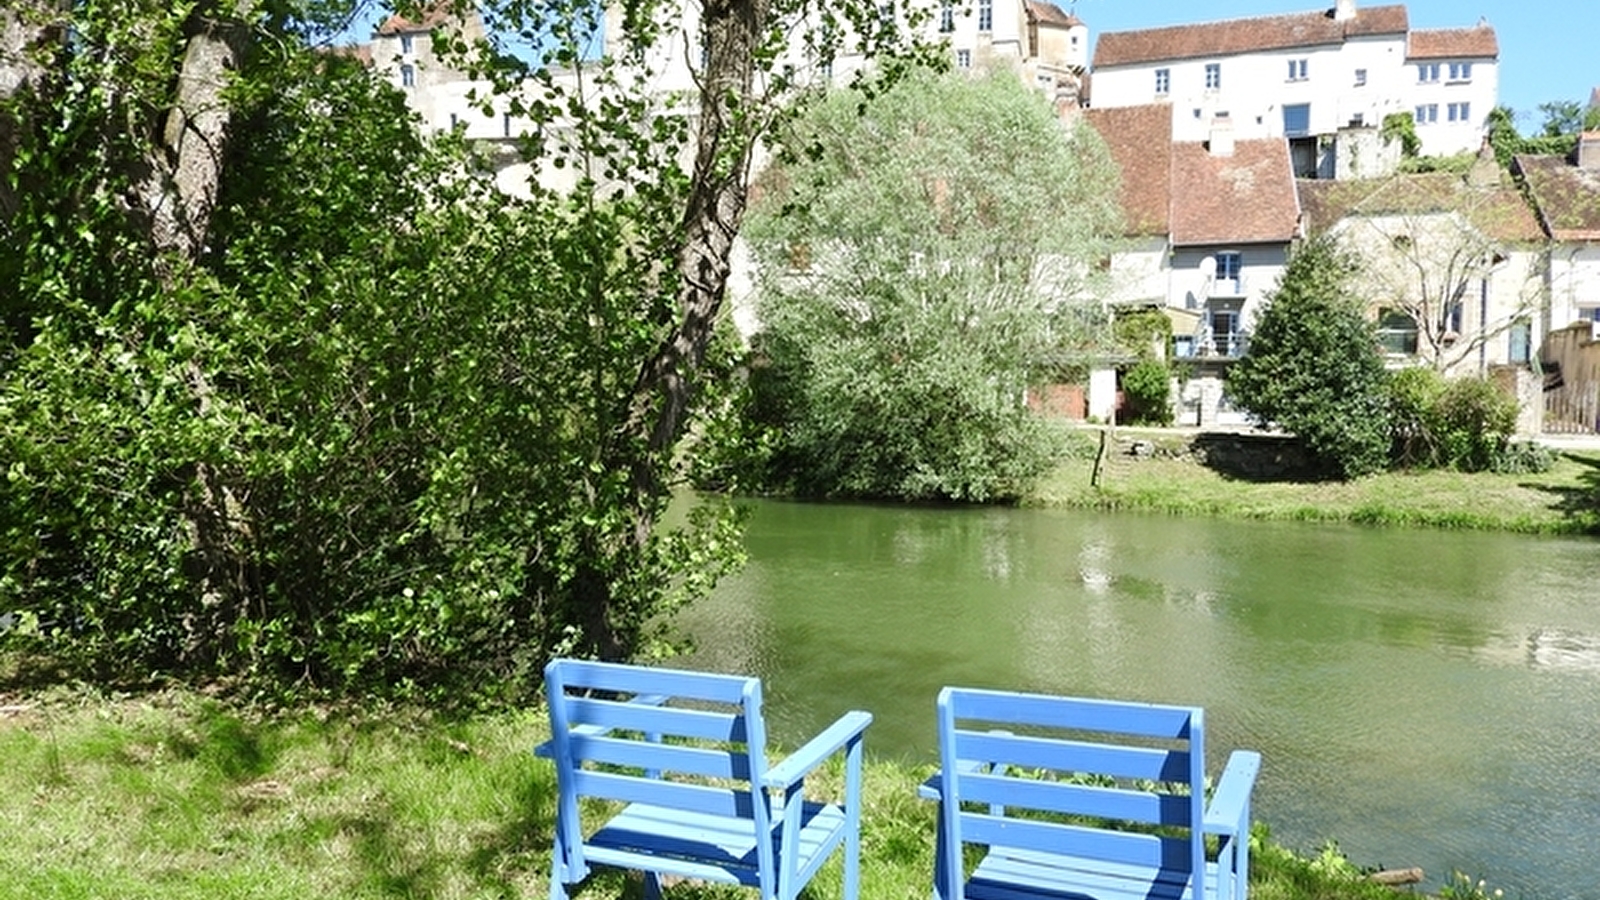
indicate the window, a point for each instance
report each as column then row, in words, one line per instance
column 1458, row 112
column 407, row 44
column 1361, row 77
column 1521, row 336
column 1224, row 327
column 963, row 59
column 1358, row 119
column 1427, row 73
column 985, row 15
column 1297, row 69
column 1229, row 264
column 1213, row 76
column 1460, row 71
column 1163, row 81
column 947, row 17
column 505, row 125
column 1427, row 114
column 1296, row 119
column 1397, row 332
column 1450, row 319
column 408, row 75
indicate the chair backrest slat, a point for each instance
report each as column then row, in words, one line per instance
column 1122, row 847
column 1144, row 807
column 660, row 720
column 1004, row 707
column 1152, row 763
column 593, row 676
column 663, row 758
column 670, row 795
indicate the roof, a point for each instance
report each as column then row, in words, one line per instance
column 1182, row 191
column 1497, row 210
column 1567, row 197
column 433, row 16
column 1050, row 14
column 1235, row 36
column 1246, row 198
column 1140, row 141
column 1454, row 43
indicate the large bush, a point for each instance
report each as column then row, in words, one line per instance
column 1462, row 423
column 919, row 262
column 1313, row 366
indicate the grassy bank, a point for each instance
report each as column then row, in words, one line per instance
column 1564, row 500
column 177, row 796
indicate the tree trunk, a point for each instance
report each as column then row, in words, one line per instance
column 31, row 33
column 734, row 30
column 178, row 193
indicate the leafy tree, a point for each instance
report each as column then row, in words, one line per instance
column 924, row 256
column 1557, row 136
column 1313, row 366
column 287, row 392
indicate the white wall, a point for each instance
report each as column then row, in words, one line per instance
column 1256, row 87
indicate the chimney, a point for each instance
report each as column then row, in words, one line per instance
column 1221, row 143
column 1589, row 151
column 1344, row 10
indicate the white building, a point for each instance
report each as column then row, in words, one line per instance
column 1305, row 76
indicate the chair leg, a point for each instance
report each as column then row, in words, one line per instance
column 652, row 886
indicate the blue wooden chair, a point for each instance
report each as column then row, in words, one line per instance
column 684, row 753
column 1077, row 799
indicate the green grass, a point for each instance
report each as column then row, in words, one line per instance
column 1564, row 500
column 176, row 796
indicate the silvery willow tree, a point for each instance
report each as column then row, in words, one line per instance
column 922, row 257
column 288, row 393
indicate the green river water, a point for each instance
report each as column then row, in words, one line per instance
column 1426, row 698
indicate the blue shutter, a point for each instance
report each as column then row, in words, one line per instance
column 1297, row 120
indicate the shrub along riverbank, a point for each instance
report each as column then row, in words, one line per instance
column 1563, row 500
column 177, row 796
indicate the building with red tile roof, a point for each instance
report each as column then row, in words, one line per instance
column 1305, row 76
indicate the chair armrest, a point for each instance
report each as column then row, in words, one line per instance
column 932, row 787
column 547, row 749
column 1228, row 810
column 796, row 766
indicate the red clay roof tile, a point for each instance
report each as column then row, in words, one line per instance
column 1453, row 43
column 1233, row 36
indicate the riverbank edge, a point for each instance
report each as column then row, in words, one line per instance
column 1151, row 470
column 177, row 795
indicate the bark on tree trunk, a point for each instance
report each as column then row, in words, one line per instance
column 31, row 32
column 178, row 192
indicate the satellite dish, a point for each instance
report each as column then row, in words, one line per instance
column 1208, row 267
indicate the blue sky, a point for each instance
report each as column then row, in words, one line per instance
column 1549, row 49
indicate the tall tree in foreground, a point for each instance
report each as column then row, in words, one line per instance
column 1313, row 366
column 925, row 256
